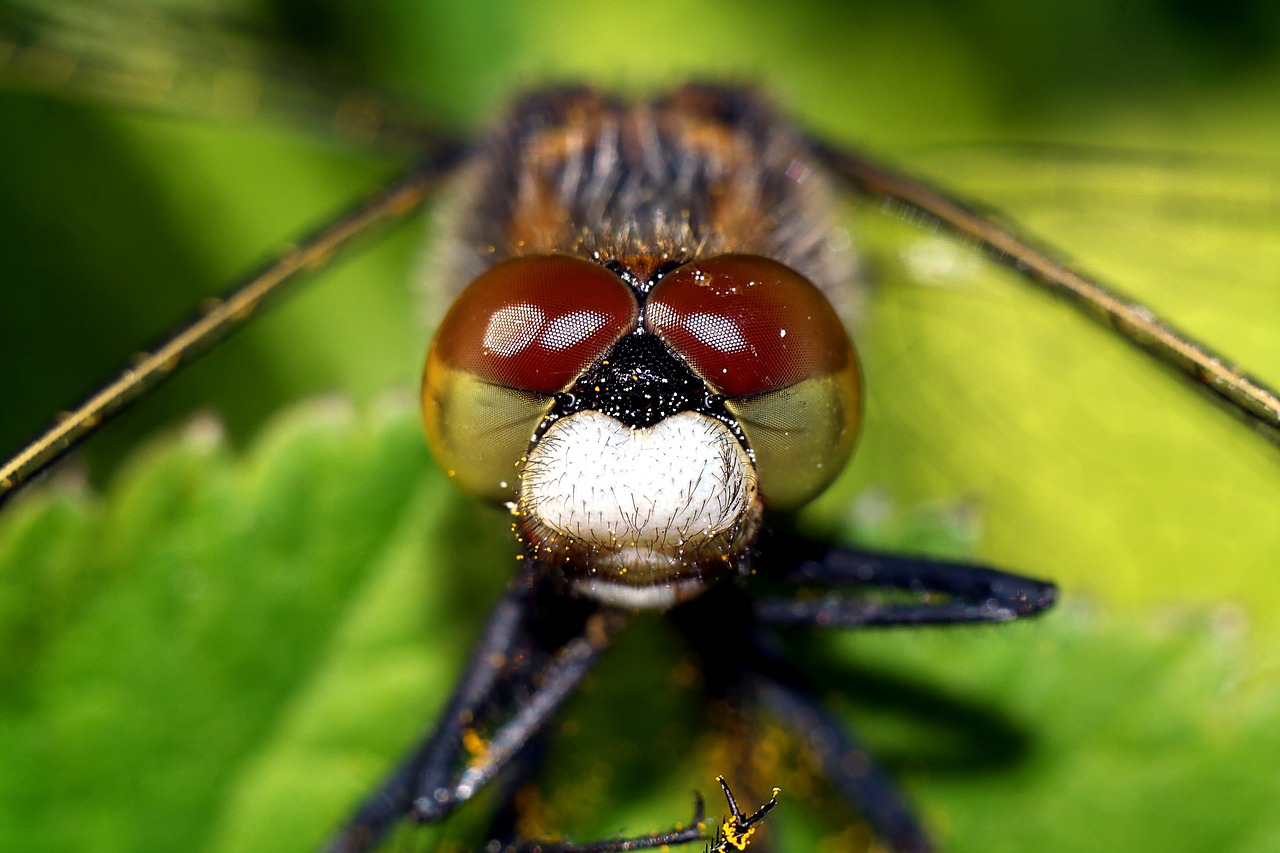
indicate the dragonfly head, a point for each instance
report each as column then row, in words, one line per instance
column 640, row 429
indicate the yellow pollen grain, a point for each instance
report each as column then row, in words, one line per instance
column 473, row 743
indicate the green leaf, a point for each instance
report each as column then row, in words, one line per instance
column 201, row 604
column 225, row 653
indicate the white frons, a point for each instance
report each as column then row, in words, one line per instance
column 639, row 498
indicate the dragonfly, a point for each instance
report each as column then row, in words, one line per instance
column 1028, row 564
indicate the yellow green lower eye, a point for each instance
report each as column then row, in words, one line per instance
column 479, row 432
column 801, row 435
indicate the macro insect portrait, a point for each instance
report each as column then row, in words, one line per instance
column 659, row 311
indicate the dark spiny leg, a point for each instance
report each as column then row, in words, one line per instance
column 428, row 785
column 948, row 592
column 733, row 834
column 845, row 762
column 722, row 628
column 392, row 800
column 694, row 832
column 504, row 836
column 554, row 684
column 519, row 772
column 721, row 632
column 516, row 777
column 939, row 592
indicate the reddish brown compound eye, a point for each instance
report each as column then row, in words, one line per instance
column 535, row 323
column 519, row 333
column 747, row 324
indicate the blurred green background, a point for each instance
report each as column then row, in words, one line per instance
column 1138, row 138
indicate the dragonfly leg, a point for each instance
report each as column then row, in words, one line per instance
column 844, row 760
column 454, row 762
column 936, row 591
column 744, row 671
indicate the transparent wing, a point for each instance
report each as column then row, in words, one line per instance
column 218, row 318
column 1242, row 393
column 193, row 62
column 1066, row 452
column 203, row 62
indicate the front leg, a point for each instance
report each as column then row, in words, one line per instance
column 939, row 591
column 733, row 835
column 513, row 684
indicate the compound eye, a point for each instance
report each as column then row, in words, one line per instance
column 535, row 323
column 519, row 333
column 764, row 336
column 747, row 324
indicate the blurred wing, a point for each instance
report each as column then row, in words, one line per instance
column 1136, row 322
column 190, row 62
column 1088, row 466
column 219, row 318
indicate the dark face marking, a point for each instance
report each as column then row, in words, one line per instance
column 639, row 382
